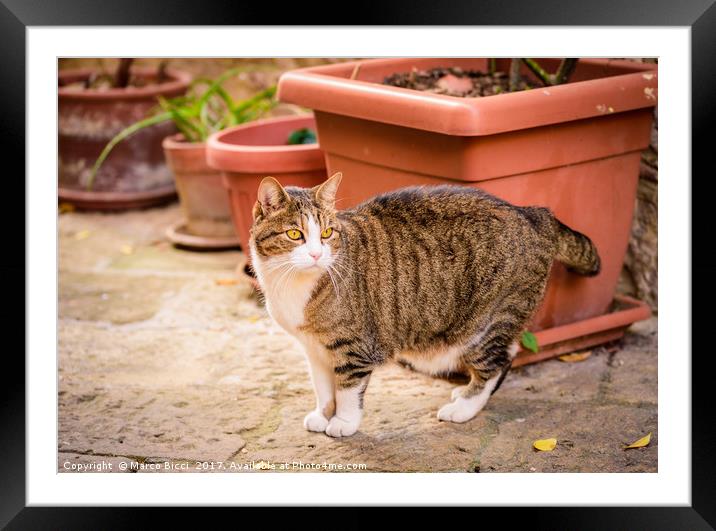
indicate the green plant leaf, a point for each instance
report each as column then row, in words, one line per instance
column 216, row 85
column 226, row 98
column 204, row 117
column 256, row 111
column 216, row 113
column 302, row 136
column 226, row 121
column 129, row 131
column 529, row 341
column 186, row 119
column 253, row 100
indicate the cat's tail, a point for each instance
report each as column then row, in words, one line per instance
column 576, row 251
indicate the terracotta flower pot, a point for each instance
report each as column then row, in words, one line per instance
column 247, row 153
column 135, row 173
column 574, row 148
column 204, row 200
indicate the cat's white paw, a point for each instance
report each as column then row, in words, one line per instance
column 461, row 410
column 338, row 427
column 457, row 391
column 315, row 421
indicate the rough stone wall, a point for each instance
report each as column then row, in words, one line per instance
column 641, row 262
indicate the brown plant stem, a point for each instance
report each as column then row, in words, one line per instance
column 538, row 71
column 491, row 65
column 566, row 67
column 121, row 76
column 514, row 74
column 162, row 72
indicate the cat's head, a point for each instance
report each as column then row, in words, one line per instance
column 296, row 226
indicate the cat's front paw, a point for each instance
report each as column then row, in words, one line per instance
column 337, row 427
column 461, row 410
column 315, row 421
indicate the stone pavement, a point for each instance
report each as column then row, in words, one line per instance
column 165, row 361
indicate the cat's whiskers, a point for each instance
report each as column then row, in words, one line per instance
column 339, row 262
column 289, row 278
column 333, row 280
column 274, row 274
column 341, row 269
column 283, row 279
column 276, row 265
column 344, row 268
column 341, row 274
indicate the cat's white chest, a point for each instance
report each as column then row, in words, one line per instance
column 286, row 296
column 286, row 305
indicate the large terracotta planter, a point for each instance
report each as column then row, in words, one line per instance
column 574, row 148
column 204, row 200
column 135, row 173
column 245, row 154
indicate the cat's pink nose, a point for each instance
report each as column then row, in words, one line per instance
column 315, row 255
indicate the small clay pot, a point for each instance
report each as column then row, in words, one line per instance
column 202, row 195
column 135, row 173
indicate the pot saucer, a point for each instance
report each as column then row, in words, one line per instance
column 89, row 200
column 586, row 333
column 179, row 236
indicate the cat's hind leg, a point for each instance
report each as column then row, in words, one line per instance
column 488, row 364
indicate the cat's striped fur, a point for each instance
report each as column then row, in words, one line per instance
column 445, row 278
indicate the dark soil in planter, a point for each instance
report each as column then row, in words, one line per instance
column 455, row 81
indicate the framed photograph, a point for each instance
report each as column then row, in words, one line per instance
column 387, row 264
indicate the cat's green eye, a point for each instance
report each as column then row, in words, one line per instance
column 294, row 234
column 327, row 233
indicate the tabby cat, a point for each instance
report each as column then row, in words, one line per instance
column 444, row 278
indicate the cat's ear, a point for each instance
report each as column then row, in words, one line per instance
column 326, row 193
column 271, row 197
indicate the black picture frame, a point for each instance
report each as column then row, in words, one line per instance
column 699, row 15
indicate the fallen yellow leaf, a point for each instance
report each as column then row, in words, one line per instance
column 126, row 249
column 81, row 235
column 575, row 357
column 545, row 445
column 644, row 441
column 226, row 281
column 66, row 207
column 253, row 318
